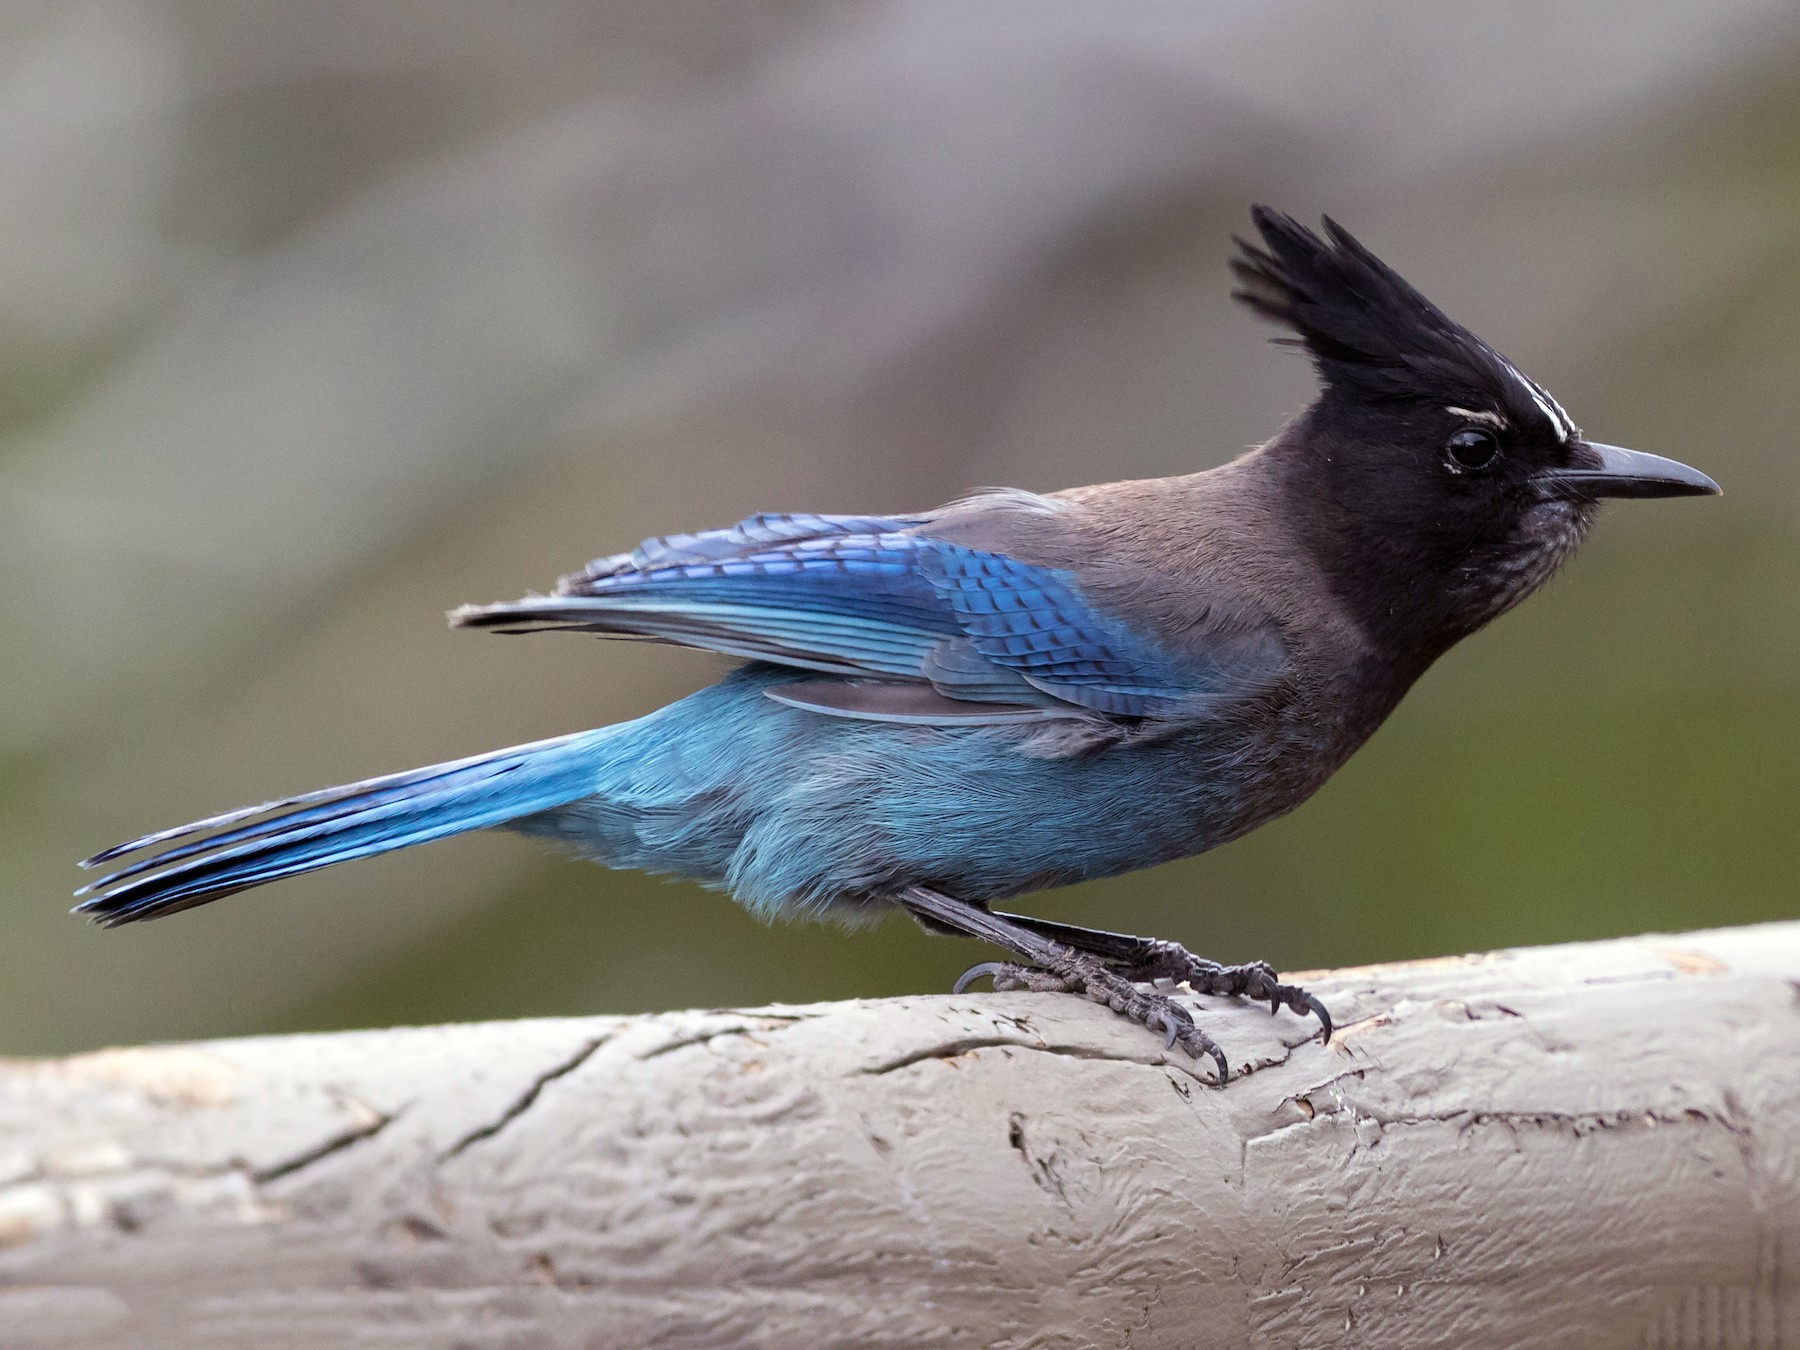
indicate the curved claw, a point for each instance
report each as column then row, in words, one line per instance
column 986, row 968
column 1317, row 1009
column 1169, row 1026
column 1193, row 1040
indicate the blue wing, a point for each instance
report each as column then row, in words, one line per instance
column 1033, row 622
column 876, row 600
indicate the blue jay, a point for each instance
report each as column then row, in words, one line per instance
column 948, row 709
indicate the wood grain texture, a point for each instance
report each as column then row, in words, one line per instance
column 1587, row 1146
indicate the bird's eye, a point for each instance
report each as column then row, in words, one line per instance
column 1472, row 449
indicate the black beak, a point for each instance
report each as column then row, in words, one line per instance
column 1624, row 473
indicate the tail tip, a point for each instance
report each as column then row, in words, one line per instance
column 93, row 909
column 532, row 614
column 465, row 616
column 494, row 615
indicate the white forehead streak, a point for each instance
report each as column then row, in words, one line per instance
column 1564, row 420
column 1552, row 410
column 1493, row 419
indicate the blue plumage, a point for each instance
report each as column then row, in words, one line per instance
column 1015, row 691
column 967, row 683
column 1034, row 620
column 302, row 834
column 869, row 595
column 800, row 814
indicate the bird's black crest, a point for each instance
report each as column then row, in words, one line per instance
column 1366, row 327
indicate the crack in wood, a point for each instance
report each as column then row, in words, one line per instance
column 523, row 1102
column 336, row 1144
column 771, row 1021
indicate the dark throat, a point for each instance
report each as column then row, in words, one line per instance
column 1388, row 573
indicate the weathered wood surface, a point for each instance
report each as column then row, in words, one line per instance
column 1583, row 1146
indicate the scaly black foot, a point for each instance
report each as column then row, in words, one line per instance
column 1104, row 966
column 1149, row 959
column 1055, row 965
column 1257, row 980
column 1077, row 972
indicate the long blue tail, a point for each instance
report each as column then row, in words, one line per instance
column 240, row 849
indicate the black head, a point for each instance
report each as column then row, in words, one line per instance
column 1444, row 483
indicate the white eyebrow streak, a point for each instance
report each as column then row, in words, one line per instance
column 1493, row 419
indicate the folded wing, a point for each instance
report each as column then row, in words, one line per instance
column 916, row 629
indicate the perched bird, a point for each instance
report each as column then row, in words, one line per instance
column 943, row 710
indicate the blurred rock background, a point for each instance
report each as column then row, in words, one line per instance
column 317, row 320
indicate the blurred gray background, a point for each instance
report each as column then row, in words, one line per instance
column 317, row 320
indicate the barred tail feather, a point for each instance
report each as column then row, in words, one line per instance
column 240, row 849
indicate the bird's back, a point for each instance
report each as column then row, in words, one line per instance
column 794, row 809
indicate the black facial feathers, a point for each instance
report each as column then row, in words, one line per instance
column 1369, row 331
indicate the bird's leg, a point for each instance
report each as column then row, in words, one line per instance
column 1056, row 966
column 1147, row 959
